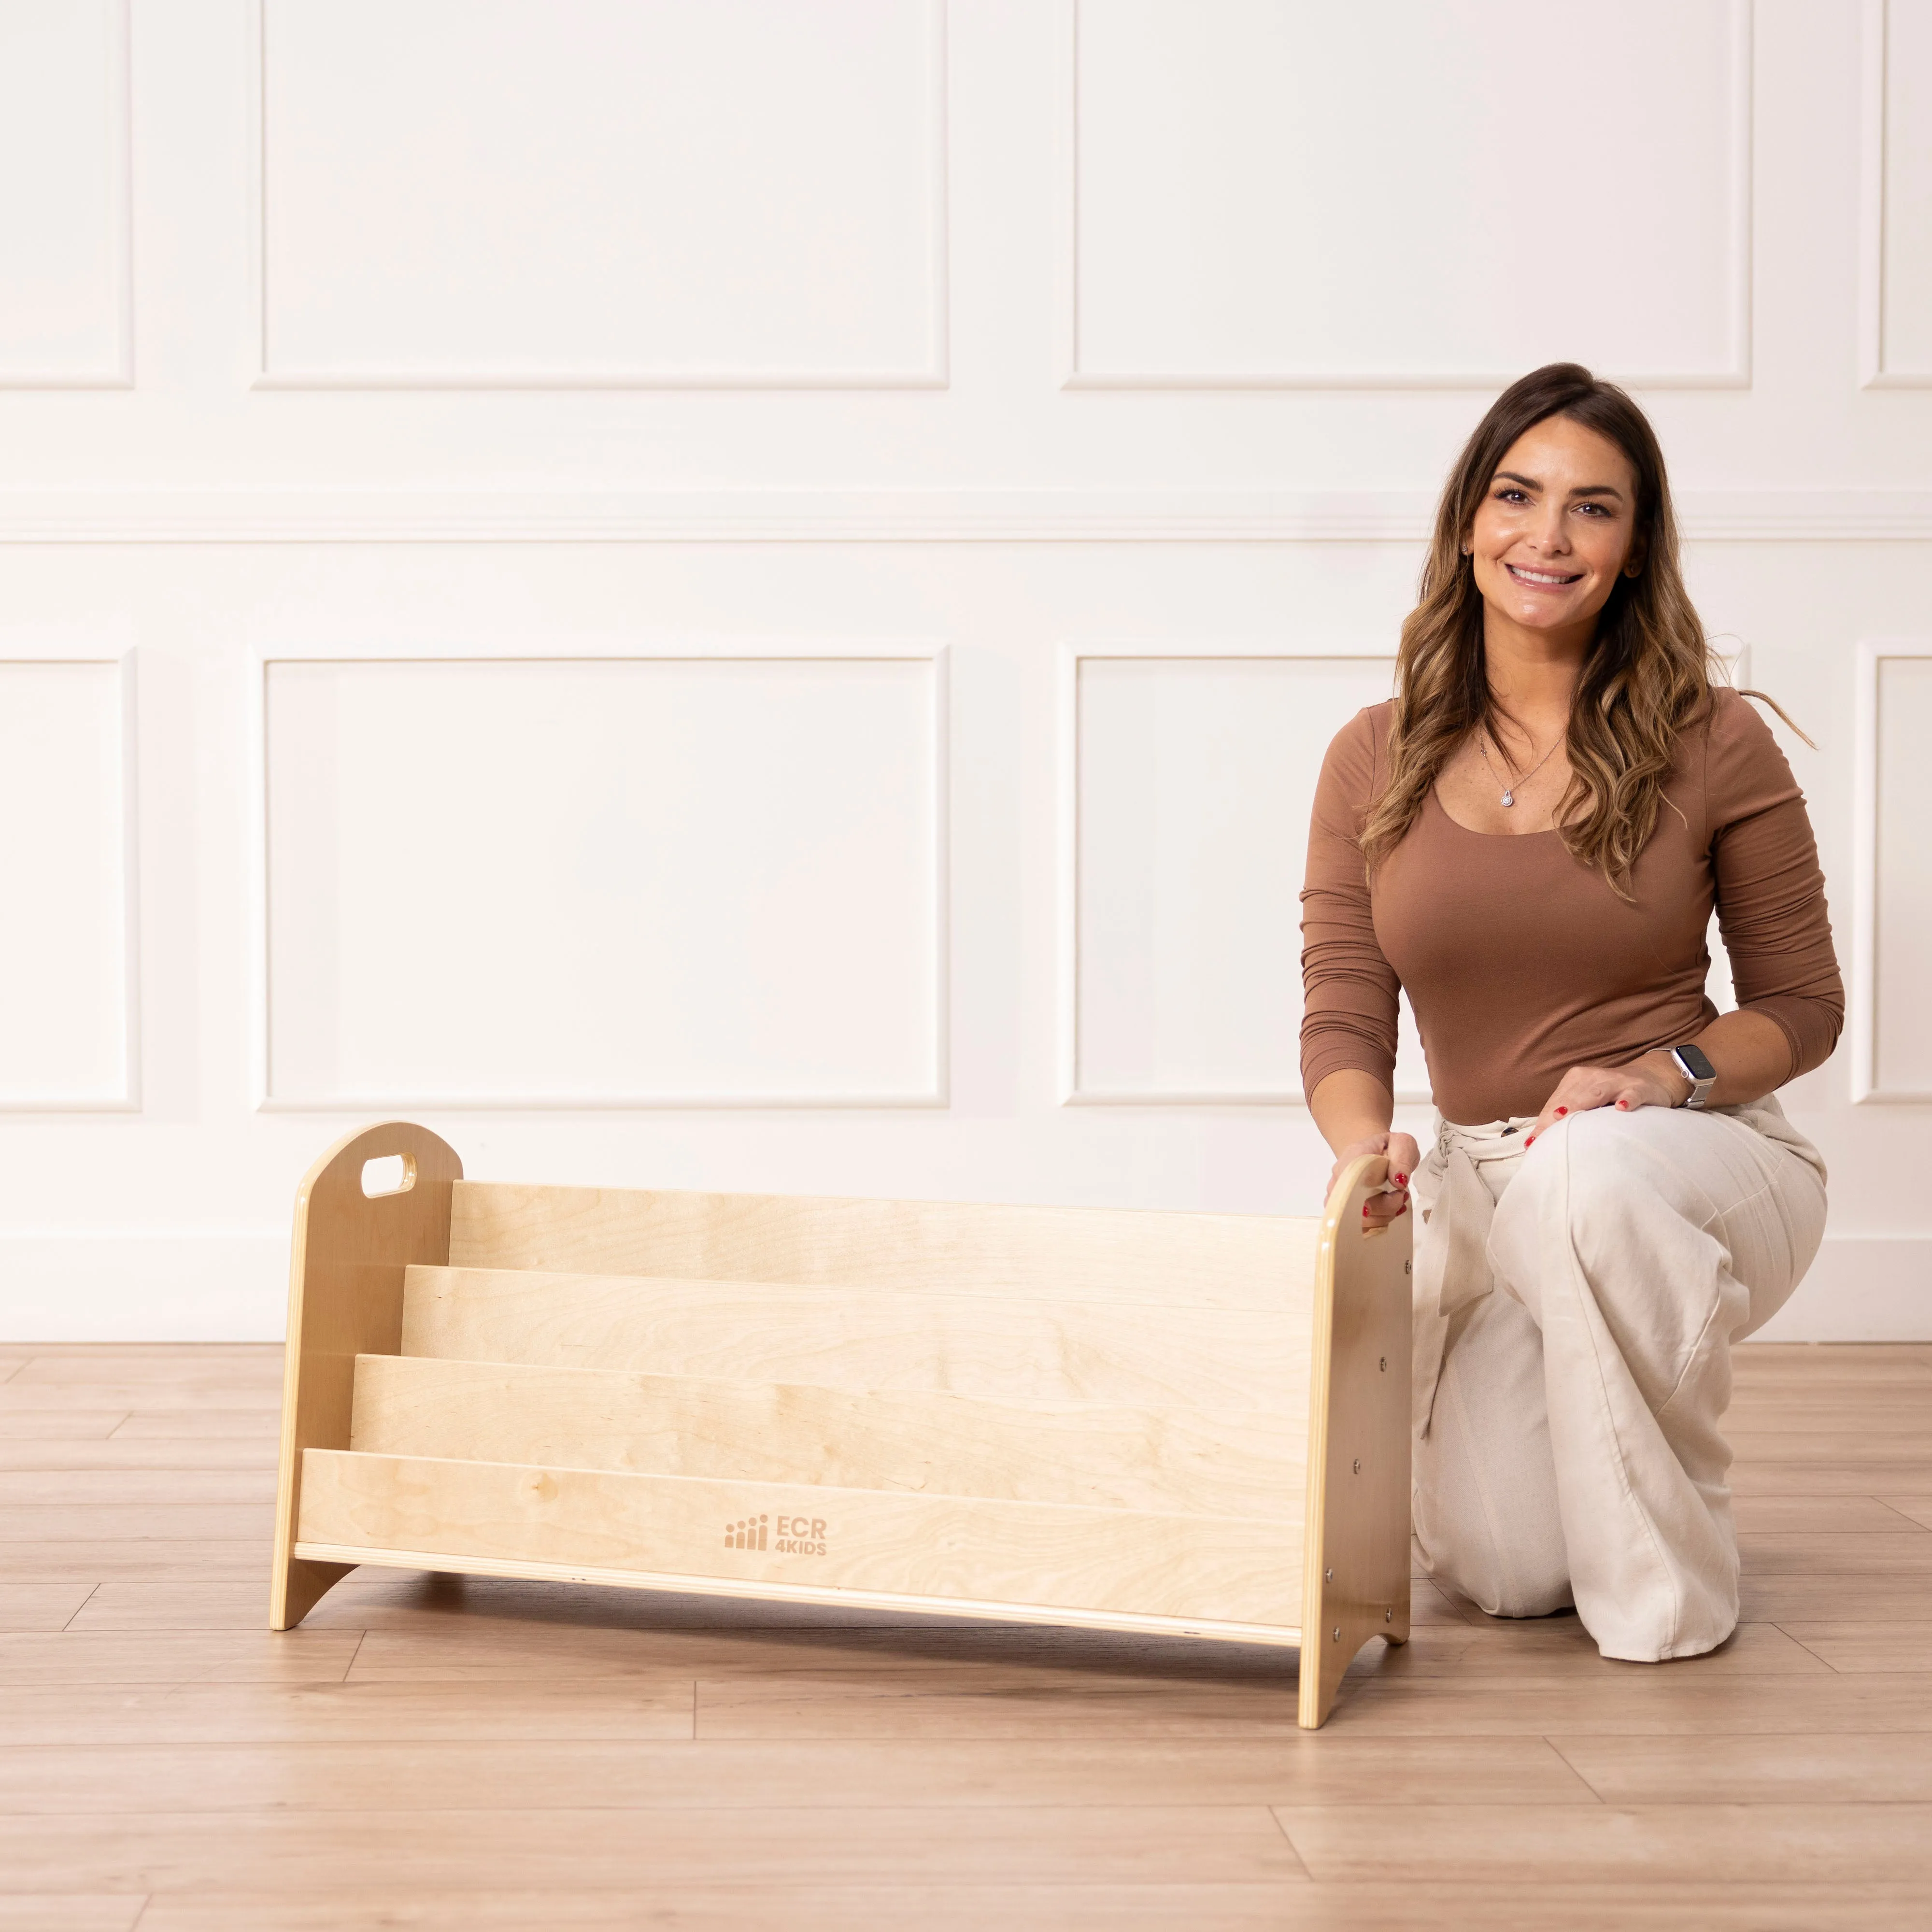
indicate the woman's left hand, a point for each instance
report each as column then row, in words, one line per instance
column 1643, row 1083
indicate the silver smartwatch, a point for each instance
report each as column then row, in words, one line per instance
column 1695, row 1066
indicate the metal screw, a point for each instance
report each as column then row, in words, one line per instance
column 1383, row 1365
column 1335, row 1637
column 1328, row 1575
column 1358, row 1465
column 1388, row 1616
column 1406, row 1266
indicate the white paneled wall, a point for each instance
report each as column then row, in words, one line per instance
column 66, row 974
column 1185, row 771
column 1335, row 196
column 573, row 191
column 1891, row 1031
column 710, row 881
column 63, row 225
column 1898, row 192
column 729, row 593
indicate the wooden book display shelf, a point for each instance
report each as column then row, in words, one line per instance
column 1191, row 1424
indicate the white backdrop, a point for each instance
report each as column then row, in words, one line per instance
column 746, row 593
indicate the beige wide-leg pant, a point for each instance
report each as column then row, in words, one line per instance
column 1575, row 1308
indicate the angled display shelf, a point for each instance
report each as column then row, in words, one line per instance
column 1195, row 1424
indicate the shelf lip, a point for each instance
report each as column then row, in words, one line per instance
column 1261, row 1524
column 714, row 1586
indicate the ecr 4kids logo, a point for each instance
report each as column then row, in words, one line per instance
column 796, row 1535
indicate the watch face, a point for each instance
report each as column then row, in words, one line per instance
column 1696, row 1061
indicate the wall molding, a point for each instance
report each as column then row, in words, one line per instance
column 1863, row 1019
column 119, row 373
column 911, row 515
column 935, row 374
column 1873, row 373
column 128, row 1099
column 1069, row 1090
column 937, row 1093
column 1735, row 375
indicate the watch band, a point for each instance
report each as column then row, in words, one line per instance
column 1695, row 1066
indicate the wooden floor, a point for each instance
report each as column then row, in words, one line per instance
column 431, row 1752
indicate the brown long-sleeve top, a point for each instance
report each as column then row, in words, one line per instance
column 1520, row 963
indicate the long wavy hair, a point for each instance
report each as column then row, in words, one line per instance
column 1647, row 675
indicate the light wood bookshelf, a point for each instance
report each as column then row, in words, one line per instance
column 1194, row 1424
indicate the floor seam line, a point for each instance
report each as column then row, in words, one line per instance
column 1274, row 1812
column 1567, row 1758
column 79, row 1607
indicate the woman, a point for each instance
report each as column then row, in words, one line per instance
column 1530, row 837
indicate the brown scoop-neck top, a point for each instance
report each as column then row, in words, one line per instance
column 1520, row 963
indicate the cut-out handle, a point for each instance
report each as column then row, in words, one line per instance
column 388, row 1173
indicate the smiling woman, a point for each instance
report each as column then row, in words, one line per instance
column 1554, row 552
column 1531, row 838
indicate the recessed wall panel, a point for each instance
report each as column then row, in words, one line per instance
column 603, row 190
column 64, row 970
column 63, row 194
column 1409, row 191
column 1903, row 185
column 603, row 882
column 1902, row 926
column 1196, row 779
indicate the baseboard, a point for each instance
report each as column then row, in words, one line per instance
column 233, row 1287
column 1862, row 1288
column 147, row 1287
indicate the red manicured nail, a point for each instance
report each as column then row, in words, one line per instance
column 1560, row 1112
column 1365, row 1211
column 1623, row 1106
column 1402, row 1181
column 1531, row 1142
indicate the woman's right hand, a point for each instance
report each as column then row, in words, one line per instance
column 1404, row 1156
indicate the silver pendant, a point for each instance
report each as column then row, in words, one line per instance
column 1509, row 798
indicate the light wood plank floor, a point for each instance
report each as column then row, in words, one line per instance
column 433, row 1752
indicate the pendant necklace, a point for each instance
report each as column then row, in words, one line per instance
column 1510, row 788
